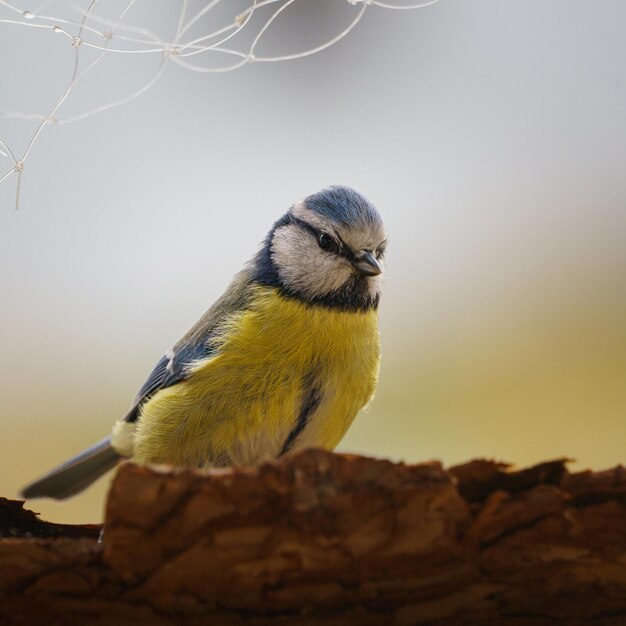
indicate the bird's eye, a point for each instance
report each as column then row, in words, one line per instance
column 380, row 251
column 326, row 242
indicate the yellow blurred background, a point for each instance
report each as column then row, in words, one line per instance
column 492, row 137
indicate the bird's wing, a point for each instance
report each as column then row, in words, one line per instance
column 174, row 365
column 156, row 380
column 171, row 369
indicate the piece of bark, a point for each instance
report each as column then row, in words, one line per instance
column 322, row 538
column 16, row 521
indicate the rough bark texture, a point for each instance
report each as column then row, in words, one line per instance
column 320, row 538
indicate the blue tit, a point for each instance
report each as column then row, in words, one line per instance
column 284, row 359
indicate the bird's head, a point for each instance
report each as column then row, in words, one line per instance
column 327, row 249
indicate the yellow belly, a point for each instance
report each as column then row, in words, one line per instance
column 241, row 404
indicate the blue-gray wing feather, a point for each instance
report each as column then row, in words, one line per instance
column 197, row 344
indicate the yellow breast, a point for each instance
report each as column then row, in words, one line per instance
column 242, row 404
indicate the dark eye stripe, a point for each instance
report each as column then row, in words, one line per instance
column 298, row 222
column 341, row 248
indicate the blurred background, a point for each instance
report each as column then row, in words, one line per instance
column 491, row 135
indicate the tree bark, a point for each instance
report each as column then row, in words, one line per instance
column 322, row 538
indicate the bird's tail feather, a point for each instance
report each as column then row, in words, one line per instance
column 76, row 474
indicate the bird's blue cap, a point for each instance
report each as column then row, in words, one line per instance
column 344, row 206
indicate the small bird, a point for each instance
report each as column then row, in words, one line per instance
column 283, row 360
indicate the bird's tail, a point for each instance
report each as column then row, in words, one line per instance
column 76, row 474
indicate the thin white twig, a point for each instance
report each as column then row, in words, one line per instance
column 68, row 90
column 205, row 9
column 11, row 171
column 181, row 20
column 110, row 105
column 237, row 28
column 9, row 152
column 137, row 40
column 268, row 24
column 214, row 70
column 334, row 40
column 401, row 7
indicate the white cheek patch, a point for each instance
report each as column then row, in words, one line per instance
column 303, row 266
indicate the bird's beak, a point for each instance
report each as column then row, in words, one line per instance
column 366, row 264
